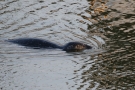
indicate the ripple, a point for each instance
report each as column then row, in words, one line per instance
column 57, row 21
column 114, row 70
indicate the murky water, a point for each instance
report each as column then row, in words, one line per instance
column 114, row 22
column 106, row 25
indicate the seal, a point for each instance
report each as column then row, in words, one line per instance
column 39, row 44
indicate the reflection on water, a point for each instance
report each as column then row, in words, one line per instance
column 58, row 21
column 92, row 21
column 114, row 69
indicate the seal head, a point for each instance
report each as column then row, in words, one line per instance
column 75, row 47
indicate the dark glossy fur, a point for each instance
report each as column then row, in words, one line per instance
column 39, row 43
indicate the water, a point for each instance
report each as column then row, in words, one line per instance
column 108, row 26
column 114, row 21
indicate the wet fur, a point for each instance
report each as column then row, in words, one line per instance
column 39, row 43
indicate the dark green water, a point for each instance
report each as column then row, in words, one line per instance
column 115, row 22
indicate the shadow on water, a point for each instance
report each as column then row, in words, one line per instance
column 115, row 69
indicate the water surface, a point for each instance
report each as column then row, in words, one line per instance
column 108, row 26
column 57, row 21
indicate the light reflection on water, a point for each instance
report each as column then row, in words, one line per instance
column 91, row 21
column 24, row 69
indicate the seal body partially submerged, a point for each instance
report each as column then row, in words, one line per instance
column 39, row 43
